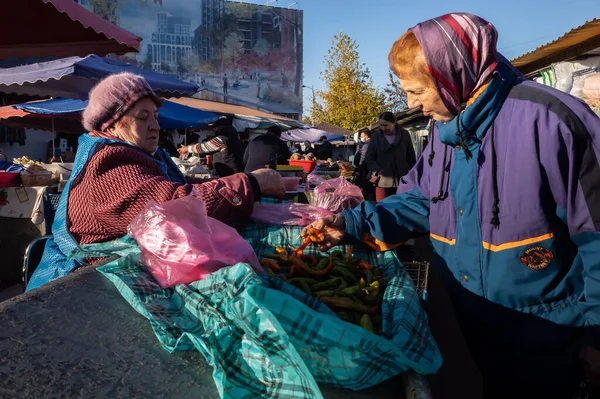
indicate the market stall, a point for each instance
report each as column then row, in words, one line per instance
column 59, row 28
column 73, row 77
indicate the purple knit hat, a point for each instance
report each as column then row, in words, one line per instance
column 113, row 97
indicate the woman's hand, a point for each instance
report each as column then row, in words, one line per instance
column 270, row 183
column 333, row 226
column 183, row 151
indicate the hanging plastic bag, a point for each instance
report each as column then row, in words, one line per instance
column 337, row 194
column 287, row 214
column 180, row 243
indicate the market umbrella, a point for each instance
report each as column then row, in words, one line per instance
column 73, row 77
column 170, row 116
column 58, row 28
column 310, row 134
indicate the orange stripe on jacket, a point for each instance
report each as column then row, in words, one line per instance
column 516, row 244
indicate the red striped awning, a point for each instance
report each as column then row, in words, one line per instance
column 58, row 28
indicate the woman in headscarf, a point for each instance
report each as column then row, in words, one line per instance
column 119, row 169
column 509, row 189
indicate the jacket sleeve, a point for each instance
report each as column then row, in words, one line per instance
column 371, row 156
column 210, row 147
column 392, row 221
column 121, row 182
column 569, row 154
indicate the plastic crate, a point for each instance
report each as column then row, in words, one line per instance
column 308, row 166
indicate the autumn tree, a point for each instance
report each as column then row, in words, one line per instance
column 395, row 96
column 350, row 99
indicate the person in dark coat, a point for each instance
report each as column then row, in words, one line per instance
column 266, row 149
column 325, row 149
column 226, row 148
column 362, row 176
column 390, row 156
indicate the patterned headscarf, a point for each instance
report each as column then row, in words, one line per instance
column 460, row 50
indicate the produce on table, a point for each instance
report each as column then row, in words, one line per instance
column 350, row 287
column 28, row 163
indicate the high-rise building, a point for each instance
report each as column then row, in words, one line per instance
column 171, row 41
column 212, row 20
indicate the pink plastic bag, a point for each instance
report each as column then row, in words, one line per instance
column 337, row 194
column 180, row 243
column 288, row 214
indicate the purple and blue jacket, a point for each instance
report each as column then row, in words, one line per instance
column 524, row 287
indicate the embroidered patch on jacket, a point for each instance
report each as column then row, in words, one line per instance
column 536, row 258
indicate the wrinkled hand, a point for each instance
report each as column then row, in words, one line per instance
column 333, row 226
column 590, row 361
column 270, row 183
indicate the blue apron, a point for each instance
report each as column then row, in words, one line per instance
column 55, row 263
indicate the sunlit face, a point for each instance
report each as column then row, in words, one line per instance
column 364, row 137
column 139, row 126
column 421, row 94
column 387, row 127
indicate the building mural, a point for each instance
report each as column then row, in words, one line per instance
column 238, row 53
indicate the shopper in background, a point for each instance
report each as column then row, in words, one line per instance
column 266, row 149
column 390, row 155
column 362, row 175
column 225, row 147
column 325, row 149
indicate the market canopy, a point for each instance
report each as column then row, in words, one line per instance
column 310, row 134
column 260, row 119
column 58, row 28
column 65, row 115
column 73, row 77
column 576, row 42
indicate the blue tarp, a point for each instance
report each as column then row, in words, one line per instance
column 73, row 77
column 171, row 115
column 310, row 134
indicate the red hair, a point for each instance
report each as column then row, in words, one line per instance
column 407, row 59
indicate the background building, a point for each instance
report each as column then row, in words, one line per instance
column 212, row 20
column 170, row 43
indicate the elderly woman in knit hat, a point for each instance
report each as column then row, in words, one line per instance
column 119, row 168
column 509, row 190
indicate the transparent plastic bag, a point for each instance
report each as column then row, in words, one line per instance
column 337, row 194
column 180, row 243
column 287, row 214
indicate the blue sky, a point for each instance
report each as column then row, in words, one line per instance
column 523, row 25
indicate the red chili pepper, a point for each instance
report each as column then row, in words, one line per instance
column 349, row 254
column 268, row 263
column 312, row 261
column 302, row 269
column 364, row 265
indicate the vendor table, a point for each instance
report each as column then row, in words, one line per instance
column 23, row 203
column 77, row 337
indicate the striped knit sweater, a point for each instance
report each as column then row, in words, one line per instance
column 120, row 180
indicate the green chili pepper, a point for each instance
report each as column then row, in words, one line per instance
column 337, row 254
column 336, row 283
column 341, row 303
column 366, row 323
column 345, row 274
column 302, row 283
column 322, row 264
column 354, row 290
column 324, row 293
